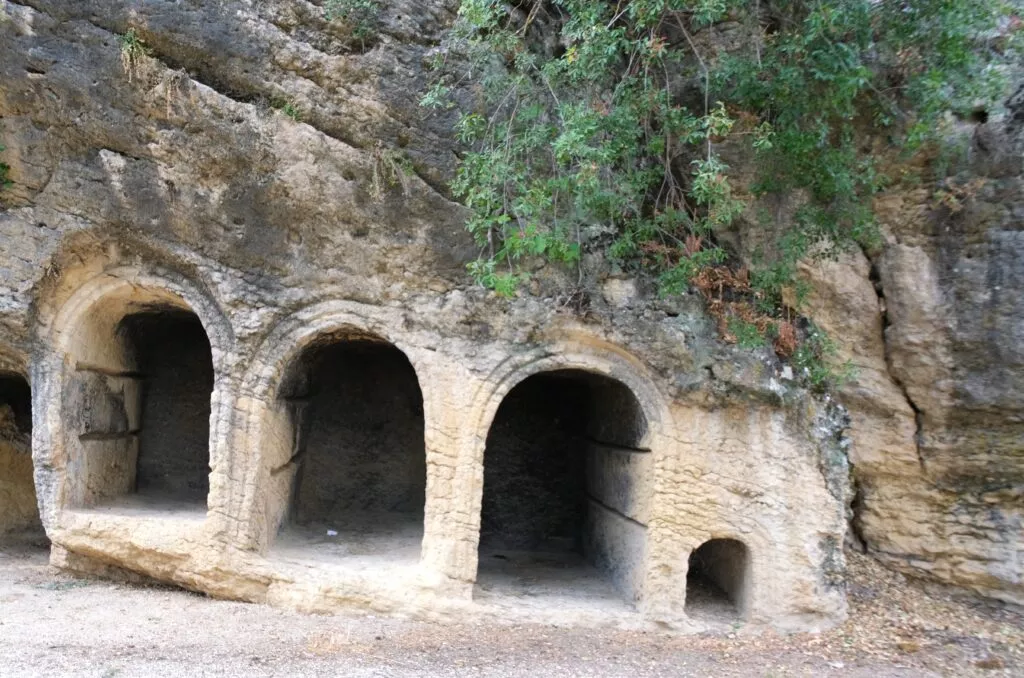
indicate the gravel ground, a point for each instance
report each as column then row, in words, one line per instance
column 52, row 624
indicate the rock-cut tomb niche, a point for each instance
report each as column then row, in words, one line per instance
column 19, row 516
column 356, row 469
column 566, row 489
column 139, row 405
column 718, row 580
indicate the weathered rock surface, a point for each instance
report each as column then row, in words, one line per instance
column 176, row 182
column 932, row 323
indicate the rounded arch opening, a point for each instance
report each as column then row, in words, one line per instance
column 567, row 483
column 19, row 514
column 349, row 438
column 718, row 580
column 137, row 403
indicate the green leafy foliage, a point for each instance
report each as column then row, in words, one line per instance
column 5, row 180
column 748, row 334
column 360, row 15
column 816, row 357
column 288, row 107
column 603, row 126
column 133, row 51
column 132, row 44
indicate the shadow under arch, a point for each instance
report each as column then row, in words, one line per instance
column 600, row 358
column 19, row 513
column 616, row 476
column 334, row 416
column 719, row 579
column 133, row 404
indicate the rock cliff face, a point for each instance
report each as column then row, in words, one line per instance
column 932, row 321
column 245, row 170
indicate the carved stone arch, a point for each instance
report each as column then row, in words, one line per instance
column 164, row 284
column 595, row 356
column 582, row 355
column 296, row 331
column 720, row 577
column 82, row 336
column 270, row 427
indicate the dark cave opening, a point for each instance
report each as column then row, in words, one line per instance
column 172, row 358
column 360, row 463
column 551, row 454
column 717, row 580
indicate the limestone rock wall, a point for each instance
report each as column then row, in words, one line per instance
column 178, row 182
column 176, row 185
column 932, row 323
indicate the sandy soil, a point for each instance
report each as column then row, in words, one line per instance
column 52, row 624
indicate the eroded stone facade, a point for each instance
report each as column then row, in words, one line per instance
column 708, row 468
column 176, row 190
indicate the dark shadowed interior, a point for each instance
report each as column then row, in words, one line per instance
column 19, row 515
column 16, row 395
column 173, row 358
column 717, row 580
column 545, row 524
column 534, row 468
column 360, row 478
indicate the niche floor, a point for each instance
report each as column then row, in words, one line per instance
column 362, row 542
column 560, row 580
column 707, row 602
column 153, row 504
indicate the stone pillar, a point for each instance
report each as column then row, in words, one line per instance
column 454, row 449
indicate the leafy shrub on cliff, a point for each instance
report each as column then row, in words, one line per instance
column 360, row 15
column 605, row 127
column 133, row 52
column 4, row 169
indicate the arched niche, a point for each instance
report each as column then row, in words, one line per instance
column 718, row 580
column 344, row 438
column 136, row 394
column 567, row 481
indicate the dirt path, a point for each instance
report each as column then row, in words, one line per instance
column 52, row 624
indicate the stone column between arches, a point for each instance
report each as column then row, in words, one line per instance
column 454, row 448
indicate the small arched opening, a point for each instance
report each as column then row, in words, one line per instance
column 718, row 580
column 353, row 485
column 138, row 405
column 566, row 489
column 19, row 514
